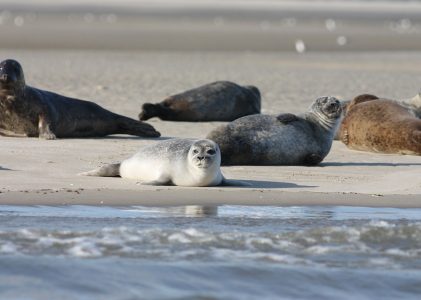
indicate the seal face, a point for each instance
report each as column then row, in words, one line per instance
column 217, row 101
column 381, row 125
column 27, row 111
column 183, row 162
column 287, row 139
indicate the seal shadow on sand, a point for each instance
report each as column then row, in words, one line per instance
column 5, row 169
column 270, row 184
column 372, row 164
column 128, row 137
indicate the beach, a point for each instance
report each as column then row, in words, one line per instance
column 348, row 228
column 46, row 172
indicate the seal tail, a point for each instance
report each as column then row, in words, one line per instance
column 110, row 170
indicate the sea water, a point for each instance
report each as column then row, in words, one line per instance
column 228, row 252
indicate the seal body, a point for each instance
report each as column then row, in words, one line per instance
column 183, row 162
column 283, row 140
column 381, row 125
column 217, row 101
column 28, row 111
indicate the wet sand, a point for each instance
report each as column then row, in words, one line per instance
column 45, row 172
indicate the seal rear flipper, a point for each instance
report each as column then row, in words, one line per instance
column 138, row 128
column 287, row 118
column 148, row 111
column 111, row 170
column 312, row 160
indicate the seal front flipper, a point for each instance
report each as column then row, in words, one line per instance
column 287, row 118
column 45, row 131
column 110, row 170
column 416, row 137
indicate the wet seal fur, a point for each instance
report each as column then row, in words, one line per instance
column 27, row 111
column 287, row 139
column 217, row 101
column 381, row 125
column 183, row 162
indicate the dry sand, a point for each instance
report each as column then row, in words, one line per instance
column 36, row 171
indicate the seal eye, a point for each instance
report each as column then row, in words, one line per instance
column 211, row 152
column 195, row 151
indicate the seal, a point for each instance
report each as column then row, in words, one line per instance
column 381, row 125
column 414, row 104
column 217, row 101
column 27, row 111
column 286, row 139
column 183, row 162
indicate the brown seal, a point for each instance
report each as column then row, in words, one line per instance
column 217, row 101
column 380, row 125
column 27, row 111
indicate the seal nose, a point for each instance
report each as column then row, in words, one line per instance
column 200, row 157
column 333, row 102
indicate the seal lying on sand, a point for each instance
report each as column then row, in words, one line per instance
column 184, row 162
column 217, row 101
column 27, row 111
column 380, row 125
column 283, row 140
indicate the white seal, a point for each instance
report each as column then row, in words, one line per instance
column 182, row 162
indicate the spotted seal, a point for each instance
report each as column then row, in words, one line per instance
column 28, row 111
column 183, row 162
column 217, row 101
column 381, row 125
column 286, row 139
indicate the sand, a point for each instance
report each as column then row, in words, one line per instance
column 229, row 25
column 37, row 172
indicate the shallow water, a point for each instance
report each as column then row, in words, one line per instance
column 230, row 252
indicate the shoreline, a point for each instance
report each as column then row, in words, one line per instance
column 208, row 197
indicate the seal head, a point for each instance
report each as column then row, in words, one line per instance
column 11, row 75
column 204, row 154
column 326, row 111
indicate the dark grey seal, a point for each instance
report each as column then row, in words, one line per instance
column 217, row 101
column 283, row 140
column 27, row 111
